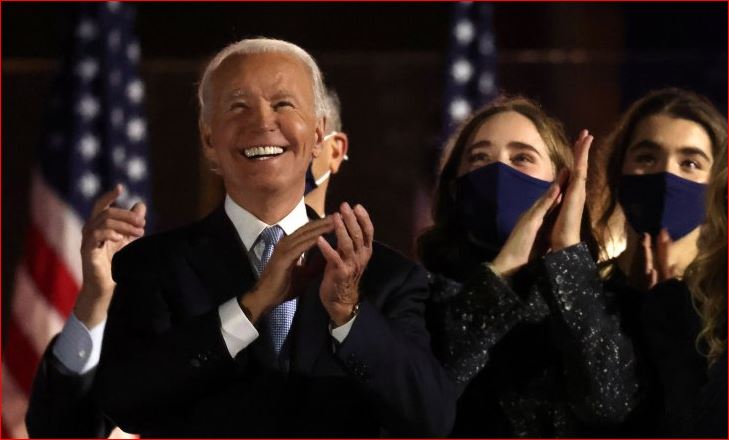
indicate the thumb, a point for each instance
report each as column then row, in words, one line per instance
column 544, row 203
column 140, row 209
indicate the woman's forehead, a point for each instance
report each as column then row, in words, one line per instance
column 508, row 127
column 669, row 132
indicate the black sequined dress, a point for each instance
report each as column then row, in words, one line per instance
column 540, row 356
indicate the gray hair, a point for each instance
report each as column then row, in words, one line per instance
column 263, row 45
column 334, row 112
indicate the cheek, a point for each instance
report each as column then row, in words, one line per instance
column 543, row 170
column 222, row 133
column 698, row 176
column 549, row 172
column 298, row 131
column 630, row 166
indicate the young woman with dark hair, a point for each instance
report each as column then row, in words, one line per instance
column 685, row 323
column 649, row 193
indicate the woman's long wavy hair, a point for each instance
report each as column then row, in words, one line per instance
column 608, row 166
column 706, row 276
column 444, row 246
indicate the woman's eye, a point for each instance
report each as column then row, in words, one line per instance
column 645, row 159
column 238, row 105
column 477, row 157
column 523, row 158
column 690, row 164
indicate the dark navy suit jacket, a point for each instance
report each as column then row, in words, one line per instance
column 165, row 369
column 62, row 403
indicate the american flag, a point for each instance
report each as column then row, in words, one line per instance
column 95, row 136
column 470, row 82
column 471, row 66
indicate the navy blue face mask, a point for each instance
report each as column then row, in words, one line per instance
column 662, row 200
column 491, row 199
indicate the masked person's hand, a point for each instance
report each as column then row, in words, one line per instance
column 518, row 247
column 566, row 229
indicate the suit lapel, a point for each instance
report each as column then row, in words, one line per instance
column 219, row 257
column 312, row 332
column 311, row 335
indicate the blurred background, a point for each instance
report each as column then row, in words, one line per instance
column 402, row 71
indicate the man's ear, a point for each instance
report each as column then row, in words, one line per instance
column 339, row 148
column 207, row 147
column 204, row 130
column 318, row 137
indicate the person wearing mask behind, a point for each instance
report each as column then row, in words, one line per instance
column 518, row 314
column 333, row 153
column 694, row 388
column 653, row 174
column 62, row 403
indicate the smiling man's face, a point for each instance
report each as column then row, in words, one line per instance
column 262, row 130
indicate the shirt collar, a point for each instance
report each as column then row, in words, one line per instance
column 249, row 227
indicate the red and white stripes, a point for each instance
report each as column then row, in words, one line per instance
column 46, row 283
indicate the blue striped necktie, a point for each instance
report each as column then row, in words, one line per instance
column 280, row 318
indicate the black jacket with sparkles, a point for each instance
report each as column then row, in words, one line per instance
column 543, row 356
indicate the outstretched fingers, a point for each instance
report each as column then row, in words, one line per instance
column 106, row 199
column 365, row 223
column 545, row 203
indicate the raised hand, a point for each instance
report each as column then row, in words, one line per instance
column 339, row 290
column 664, row 255
column 566, row 229
column 106, row 232
column 275, row 284
column 656, row 262
column 515, row 252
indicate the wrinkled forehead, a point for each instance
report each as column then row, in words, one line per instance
column 269, row 72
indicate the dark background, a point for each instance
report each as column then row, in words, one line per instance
column 583, row 62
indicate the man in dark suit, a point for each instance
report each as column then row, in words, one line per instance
column 62, row 402
column 219, row 330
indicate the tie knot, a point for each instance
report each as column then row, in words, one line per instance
column 271, row 235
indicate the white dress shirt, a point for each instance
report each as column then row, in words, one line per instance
column 238, row 332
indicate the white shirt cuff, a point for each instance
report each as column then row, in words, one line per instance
column 340, row 333
column 77, row 347
column 238, row 332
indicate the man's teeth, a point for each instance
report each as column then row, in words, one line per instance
column 262, row 151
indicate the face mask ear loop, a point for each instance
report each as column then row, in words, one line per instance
column 346, row 156
column 323, row 178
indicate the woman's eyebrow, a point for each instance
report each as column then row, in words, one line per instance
column 479, row 144
column 524, row 146
column 694, row 151
column 645, row 144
